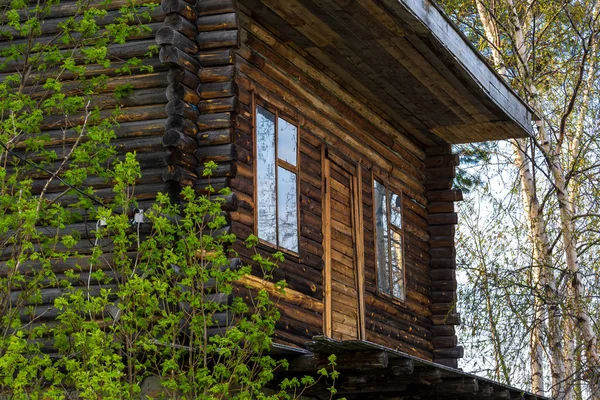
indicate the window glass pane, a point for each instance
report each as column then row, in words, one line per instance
column 381, row 237
column 287, row 141
column 265, row 170
column 396, row 210
column 288, row 209
column 397, row 265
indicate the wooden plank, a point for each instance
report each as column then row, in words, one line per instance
column 327, row 246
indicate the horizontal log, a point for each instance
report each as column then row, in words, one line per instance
column 216, row 74
column 447, row 285
column 355, row 361
column 224, row 152
column 448, row 362
column 225, row 104
column 439, row 183
column 442, row 274
column 127, row 114
column 443, row 308
column 178, row 157
column 443, row 296
column 181, row 24
column 444, row 195
column 446, row 160
column 217, row 90
column 210, row 7
column 180, row 91
column 449, row 319
column 441, row 241
column 215, row 121
column 215, row 137
column 167, row 35
column 442, row 252
column 442, row 230
column 180, row 7
column 401, row 366
column 443, row 219
column 444, row 342
column 183, row 76
column 216, row 39
column 212, row 58
column 176, row 138
column 441, row 150
column 443, row 330
column 440, row 208
column 177, row 106
column 440, row 172
column 184, row 125
column 217, row 22
column 227, row 169
column 181, row 175
column 173, row 56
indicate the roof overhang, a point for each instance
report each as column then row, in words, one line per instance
column 368, row 370
column 408, row 61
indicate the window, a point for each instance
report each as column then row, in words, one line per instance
column 389, row 238
column 276, row 179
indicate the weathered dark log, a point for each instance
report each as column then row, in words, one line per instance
column 434, row 183
column 441, row 241
column 176, row 138
column 444, row 341
column 443, row 219
column 126, row 115
column 184, row 125
column 448, row 285
column 216, row 74
column 439, row 296
column 217, row 22
column 168, row 35
column 443, row 308
column 224, row 104
column 448, row 362
column 216, row 39
column 442, row 230
column 181, row 175
column 214, row 137
column 224, row 152
column 217, row 90
column 214, row 121
column 442, row 252
column 179, row 157
column 440, row 172
column 442, row 274
column 182, row 25
column 183, row 76
column 179, row 7
column 179, row 107
column 444, row 195
column 358, row 361
column 450, row 319
column 223, row 170
column 172, row 55
column 440, row 208
column 180, row 91
column 210, row 7
column 446, row 160
column 443, row 330
column 216, row 57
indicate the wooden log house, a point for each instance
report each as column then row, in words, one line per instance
column 332, row 121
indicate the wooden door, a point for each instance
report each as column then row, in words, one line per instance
column 344, row 314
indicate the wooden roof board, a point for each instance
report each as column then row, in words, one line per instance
column 427, row 19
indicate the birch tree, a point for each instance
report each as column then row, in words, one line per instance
column 548, row 51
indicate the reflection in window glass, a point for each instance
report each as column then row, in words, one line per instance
column 388, row 231
column 395, row 210
column 287, row 141
column 265, row 170
column 380, row 204
column 287, row 209
column 397, row 268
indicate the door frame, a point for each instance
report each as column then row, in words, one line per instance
column 354, row 170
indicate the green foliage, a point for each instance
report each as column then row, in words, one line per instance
column 131, row 300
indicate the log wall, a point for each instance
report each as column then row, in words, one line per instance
column 141, row 126
column 329, row 117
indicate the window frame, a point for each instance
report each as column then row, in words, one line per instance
column 389, row 189
column 258, row 102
